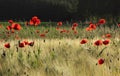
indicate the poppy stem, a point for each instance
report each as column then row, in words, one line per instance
column 101, row 51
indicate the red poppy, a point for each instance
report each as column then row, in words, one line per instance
column 59, row 23
column 35, row 21
column 106, row 42
column 8, row 28
column 89, row 29
column 7, row 45
column 98, row 42
column 119, row 25
column 83, row 41
column 31, row 44
column 75, row 24
column 42, row 35
column 73, row 28
column 92, row 26
column 102, row 21
column 16, row 26
column 26, row 42
column 101, row 61
column 108, row 35
column 10, row 21
column 22, row 44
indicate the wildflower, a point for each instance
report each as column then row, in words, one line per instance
column 102, row 21
column 35, row 21
column 83, row 41
column 92, row 26
column 8, row 27
column 7, row 45
column 106, row 42
column 98, row 42
column 100, row 61
column 75, row 24
column 21, row 45
column 59, row 23
column 10, row 21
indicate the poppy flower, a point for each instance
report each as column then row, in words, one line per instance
column 59, row 23
column 98, row 42
column 22, row 44
column 42, row 35
column 35, row 21
column 89, row 29
column 108, row 36
column 102, row 21
column 73, row 28
column 75, row 24
column 83, row 41
column 106, row 42
column 7, row 45
column 118, row 25
column 31, row 43
column 16, row 26
column 101, row 61
column 8, row 28
column 10, row 21
column 92, row 26
column 26, row 42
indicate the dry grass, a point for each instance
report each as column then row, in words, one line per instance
column 59, row 57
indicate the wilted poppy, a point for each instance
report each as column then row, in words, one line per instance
column 22, row 44
column 106, row 42
column 102, row 21
column 7, row 45
column 98, row 42
column 101, row 61
column 59, row 23
column 83, row 41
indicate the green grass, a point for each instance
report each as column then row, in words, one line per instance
column 59, row 54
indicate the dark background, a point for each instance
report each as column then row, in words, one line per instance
column 56, row 10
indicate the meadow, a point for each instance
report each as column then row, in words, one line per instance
column 89, row 48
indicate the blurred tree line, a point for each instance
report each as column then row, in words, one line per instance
column 57, row 9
